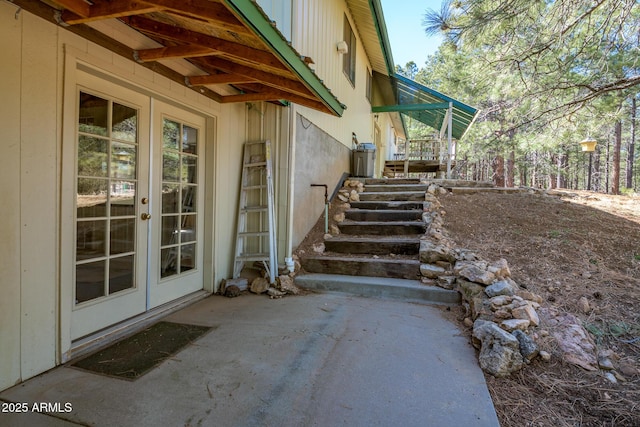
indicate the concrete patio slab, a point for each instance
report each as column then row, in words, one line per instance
column 315, row 360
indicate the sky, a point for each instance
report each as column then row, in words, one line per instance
column 405, row 30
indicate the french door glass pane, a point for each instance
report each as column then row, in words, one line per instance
column 93, row 115
column 91, row 239
column 106, row 194
column 189, row 196
column 122, row 236
column 170, row 198
column 189, row 140
column 170, row 230
column 188, row 231
column 92, row 156
column 168, row 264
column 123, row 161
column 189, row 169
column 122, row 198
column 187, row 257
column 179, row 213
column 90, row 281
column 170, row 166
column 121, row 273
column 125, row 123
column 170, row 134
column 91, row 198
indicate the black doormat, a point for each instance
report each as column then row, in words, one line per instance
column 135, row 356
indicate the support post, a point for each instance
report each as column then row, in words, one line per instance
column 449, row 138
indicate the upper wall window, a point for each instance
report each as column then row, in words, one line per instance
column 349, row 59
column 369, row 85
column 280, row 12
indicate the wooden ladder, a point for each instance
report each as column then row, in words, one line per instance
column 256, row 233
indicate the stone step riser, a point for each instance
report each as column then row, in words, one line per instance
column 362, row 267
column 395, row 188
column 392, row 181
column 383, row 215
column 387, row 205
column 373, row 247
column 392, row 196
column 377, row 229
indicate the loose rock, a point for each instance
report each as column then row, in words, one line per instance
column 572, row 339
column 287, row 285
column 259, row 285
column 431, row 271
column 501, row 287
column 474, row 271
column 528, row 347
column 512, row 325
column 583, row 305
column 499, row 350
column 232, row 291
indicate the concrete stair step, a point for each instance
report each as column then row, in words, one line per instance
column 388, row 205
column 392, row 196
column 362, row 266
column 383, row 215
column 378, row 287
column 373, row 245
column 395, row 188
column 390, row 181
column 382, row 228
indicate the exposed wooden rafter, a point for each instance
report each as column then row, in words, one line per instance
column 277, row 95
column 216, row 79
column 108, row 10
column 182, row 35
column 78, row 7
column 232, row 41
column 268, row 79
column 212, row 12
column 173, row 52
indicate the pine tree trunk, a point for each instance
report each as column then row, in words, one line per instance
column 511, row 169
column 553, row 175
column 615, row 175
column 595, row 177
column 523, row 171
column 563, row 166
column 606, row 168
column 631, row 146
column 498, row 170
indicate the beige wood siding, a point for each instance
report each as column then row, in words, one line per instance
column 318, row 27
column 10, row 82
column 36, row 302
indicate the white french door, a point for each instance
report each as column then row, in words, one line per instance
column 177, row 225
column 112, row 194
column 138, row 222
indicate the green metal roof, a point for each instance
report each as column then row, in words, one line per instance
column 424, row 104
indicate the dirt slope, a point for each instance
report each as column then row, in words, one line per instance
column 564, row 247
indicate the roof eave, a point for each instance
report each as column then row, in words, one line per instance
column 383, row 37
column 250, row 15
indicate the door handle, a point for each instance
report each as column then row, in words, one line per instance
column 145, row 216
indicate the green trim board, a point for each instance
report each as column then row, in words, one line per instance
column 249, row 13
column 381, row 29
column 410, row 107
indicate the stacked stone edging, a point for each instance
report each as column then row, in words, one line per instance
column 502, row 315
column 507, row 321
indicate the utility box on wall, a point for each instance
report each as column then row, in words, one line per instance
column 363, row 160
